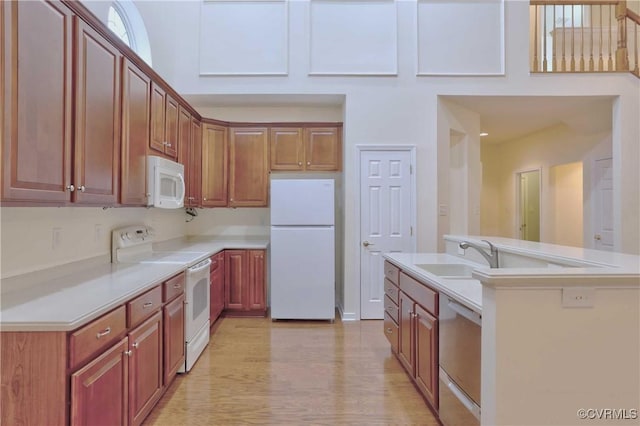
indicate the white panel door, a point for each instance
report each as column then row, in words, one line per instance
column 385, row 220
column 603, row 212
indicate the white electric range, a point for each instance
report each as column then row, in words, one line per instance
column 134, row 244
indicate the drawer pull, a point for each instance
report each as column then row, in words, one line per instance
column 177, row 285
column 389, row 330
column 103, row 332
column 147, row 305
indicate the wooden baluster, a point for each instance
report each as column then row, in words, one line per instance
column 610, row 61
column 554, row 65
column 622, row 58
column 535, row 38
column 564, row 41
column 544, row 39
column 600, row 61
column 582, row 39
column 591, row 43
column 573, row 40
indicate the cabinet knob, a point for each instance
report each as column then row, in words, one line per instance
column 128, row 353
column 204, row 199
column 308, row 163
column 299, row 163
column 81, row 188
column 389, row 330
column 230, row 199
column 135, row 344
column 71, row 188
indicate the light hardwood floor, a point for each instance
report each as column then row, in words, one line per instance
column 256, row 371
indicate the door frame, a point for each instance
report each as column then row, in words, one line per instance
column 413, row 202
column 518, row 212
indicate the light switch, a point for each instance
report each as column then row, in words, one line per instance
column 578, row 297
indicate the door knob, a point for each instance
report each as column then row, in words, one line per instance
column 597, row 237
column 367, row 243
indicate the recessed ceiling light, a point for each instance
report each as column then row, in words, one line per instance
column 483, row 134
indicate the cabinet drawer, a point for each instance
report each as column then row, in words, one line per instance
column 96, row 335
column 391, row 332
column 173, row 287
column 391, row 272
column 391, row 290
column 143, row 306
column 420, row 293
column 391, row 308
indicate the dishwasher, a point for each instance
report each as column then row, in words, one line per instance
column 459, row 373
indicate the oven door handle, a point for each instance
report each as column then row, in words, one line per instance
column 472, row 316
column 203, row 265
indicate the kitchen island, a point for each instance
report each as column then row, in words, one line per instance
column 560, row 329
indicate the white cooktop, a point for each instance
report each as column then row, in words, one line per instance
column 134, row 244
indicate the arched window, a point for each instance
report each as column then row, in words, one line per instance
column 125, row 21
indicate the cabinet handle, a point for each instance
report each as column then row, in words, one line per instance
column 204, row 199
column 147, row 305
column 71, row 188
column 103, row 332
column 128, row 353
column 389, row 330
column 230, row 199
column 81, row 188
column 308, row 163
column 169, row 145
column 299, row 163
column 148, row 194
column 135, row 344
column 177, row 285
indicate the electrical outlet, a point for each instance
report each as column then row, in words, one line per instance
column 56, row 238
column 443, row 210
column 97, row 232
column 578, row 297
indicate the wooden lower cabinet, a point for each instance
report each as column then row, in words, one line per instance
column 99, row 391
column 418, row 347
column 217, row 287
column 174, row 347
column 145, row 368
column 245, row 291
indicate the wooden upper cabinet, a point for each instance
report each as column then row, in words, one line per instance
column 184, row 142
column 171, row 128
column 195, row 164
column 248, row 167
column 97, row 117
column 323, row 148
column 37, row 101
column 136, row 90
column 214, row 166
column 158, row 96
column 287, row 148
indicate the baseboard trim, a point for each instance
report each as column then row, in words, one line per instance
column 346, row 316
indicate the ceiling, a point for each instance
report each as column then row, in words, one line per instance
column 508, row 118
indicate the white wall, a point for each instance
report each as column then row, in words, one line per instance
column 557, row 145
column 27, row 242
column 402, row 108
column 565, row 184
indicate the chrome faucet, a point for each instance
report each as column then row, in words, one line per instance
column 491, row 258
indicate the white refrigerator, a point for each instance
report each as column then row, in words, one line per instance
column 302, row 249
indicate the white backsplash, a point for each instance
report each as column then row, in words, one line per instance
column 27, row 233
column 228, row 222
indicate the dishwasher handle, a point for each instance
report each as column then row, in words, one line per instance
column 199, row 267
column 459, row 309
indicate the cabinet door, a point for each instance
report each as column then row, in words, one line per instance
column 248, row 167
column 158, row 95
column 405, row 345
column 174, row 346
column 136, row 90
column 97, row 119
column 195, row 163
column 426, row 361
column 171, row 128
column 322, row 148
column 214, row 166
column 145, row 368
column 234, row 279
column 37, row 101
column 99, row 391
column 286, row 148
column 256, row 281
column 184, row 140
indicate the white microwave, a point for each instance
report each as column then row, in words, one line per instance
column 165, row 183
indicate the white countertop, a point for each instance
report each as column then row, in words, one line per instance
column 55, row 301
column 466, row 291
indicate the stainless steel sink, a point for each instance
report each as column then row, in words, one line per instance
column 448, row 270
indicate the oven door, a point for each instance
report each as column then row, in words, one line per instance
column 197, row 298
